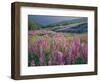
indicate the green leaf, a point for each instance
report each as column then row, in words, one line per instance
column 46, row 58
column 78, row 61
column 36, row 58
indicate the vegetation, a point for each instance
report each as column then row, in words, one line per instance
column 56, row 48
column 63, row 43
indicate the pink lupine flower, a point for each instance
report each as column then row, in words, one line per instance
column 73, row 51
column 41, row 60
column 33, row 63
column 54, row 57
column 41, row 55
column 49, row 62
column 60, row 58
column 39, row 43
column 43, row 43
column 30, row 48
column 84, row 50
column 75, row 46
column 41, row 50
column 53, row 46
column 35, row 48
column 30, row 45
column 60, row 50
column 69, row 57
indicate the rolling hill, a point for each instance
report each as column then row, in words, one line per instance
column 73, row 25
column 74, row 29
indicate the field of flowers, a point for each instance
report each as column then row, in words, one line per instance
column 56, row 48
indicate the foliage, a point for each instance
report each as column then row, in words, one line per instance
column 52, row 48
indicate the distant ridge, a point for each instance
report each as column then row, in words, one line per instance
column 79, row 20
column 76, row 29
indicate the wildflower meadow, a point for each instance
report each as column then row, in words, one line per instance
column 52, row 46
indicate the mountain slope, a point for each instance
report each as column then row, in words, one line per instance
column 75, row 29
column 68, row 22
